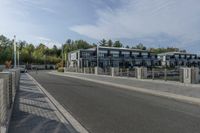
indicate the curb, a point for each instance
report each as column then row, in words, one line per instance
column 176, row 97
column 62, row 113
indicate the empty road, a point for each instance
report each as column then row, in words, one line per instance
column 106, row 109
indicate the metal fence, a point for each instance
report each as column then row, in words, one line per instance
column 165, row 74
column 9, row 83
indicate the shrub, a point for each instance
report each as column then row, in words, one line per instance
column 60, row 69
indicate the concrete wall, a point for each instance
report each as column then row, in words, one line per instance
column 9, row 83
column 3, row 101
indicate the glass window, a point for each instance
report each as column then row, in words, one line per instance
column 135, row 53
column 126, row 53
column 182, row 56
column 145, row 54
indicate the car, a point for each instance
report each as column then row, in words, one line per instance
column 23, row 70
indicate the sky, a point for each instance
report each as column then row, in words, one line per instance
column 155, row 23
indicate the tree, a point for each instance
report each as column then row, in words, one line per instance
column 127, row 46
column 110, row 43
column 103, row 43
column 141, row 46
column 117, row 44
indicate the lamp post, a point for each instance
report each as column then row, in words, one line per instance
column 15, row 47
column 65, row 60
column 18, row 53
column 62, row 56
column 97, row 57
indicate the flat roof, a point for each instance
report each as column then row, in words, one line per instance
column 128, row 49
column 173, row 53
column 111, row 48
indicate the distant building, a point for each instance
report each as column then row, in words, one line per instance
column 112, row 57
column 173, row 59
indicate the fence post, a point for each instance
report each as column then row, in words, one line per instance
column 112, row 71
column 165, row 74
column 152, row 73
column 84, row 71
column 96, row 70
column 127, row 72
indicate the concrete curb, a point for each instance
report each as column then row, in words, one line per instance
column 182, row 98
column 146, row 80
column 62, row 113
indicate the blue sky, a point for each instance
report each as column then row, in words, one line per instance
column 156, row 23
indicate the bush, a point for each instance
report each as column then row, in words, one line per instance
column 60, row 69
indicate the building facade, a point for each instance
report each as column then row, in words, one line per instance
column 112, row 57
column 174, row 59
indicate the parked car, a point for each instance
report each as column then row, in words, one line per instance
column 23, row 70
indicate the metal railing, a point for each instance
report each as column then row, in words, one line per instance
column 9, row 83
column 164, row 74
column 175, row 74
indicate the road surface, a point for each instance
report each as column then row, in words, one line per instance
column 106, row 109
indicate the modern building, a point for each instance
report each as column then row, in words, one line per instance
column 111, row 57
column 173, row 59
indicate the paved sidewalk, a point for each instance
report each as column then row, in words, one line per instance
column 33, row 112
column 170, row 87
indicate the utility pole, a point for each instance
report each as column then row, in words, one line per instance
column 15, row 47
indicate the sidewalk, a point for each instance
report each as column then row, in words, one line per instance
column 34, row 113
column 169, row 88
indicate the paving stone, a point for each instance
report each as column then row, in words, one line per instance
column 32, row 112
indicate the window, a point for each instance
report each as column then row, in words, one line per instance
column 182, row 56
column 126, row 53
column 114, row 54
column 176, row 56
column 85, row 54
column 144, row 55
column 103, row 53
column 135, row 54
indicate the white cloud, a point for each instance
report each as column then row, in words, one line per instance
column 144, row 18
column 47, row 41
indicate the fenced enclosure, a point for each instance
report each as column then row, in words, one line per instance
column 163, row 74
column 166, row 74
column 9, row 83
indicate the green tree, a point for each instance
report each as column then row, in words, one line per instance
column 140, row 46
column 110, row 43
column 117, row 44
column 103, row 43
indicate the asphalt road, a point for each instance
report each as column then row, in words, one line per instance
column 106, row 109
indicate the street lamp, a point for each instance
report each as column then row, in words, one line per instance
column 97, row 57
column 62, row 56
column 14, row 44
column 18, row 53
